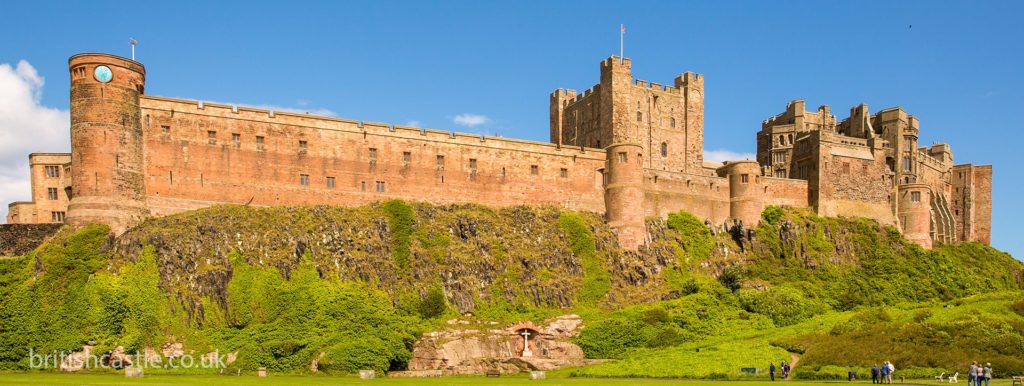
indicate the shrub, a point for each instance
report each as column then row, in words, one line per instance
column 695, row 236
column 732, row 278
column 784, row 305
column 433, row 305
column 772, row 214
column 1018, row 307
column 611, row 338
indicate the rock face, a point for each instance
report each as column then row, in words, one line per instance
column 477, row 351
column 19, row 239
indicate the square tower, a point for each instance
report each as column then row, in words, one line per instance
column 667, row 122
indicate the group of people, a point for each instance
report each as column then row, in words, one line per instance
column 979, row 373
column 785, row 370
column 882, row 374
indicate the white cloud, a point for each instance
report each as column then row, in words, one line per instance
column 721, row 155
column 26, row 127
column 470, row 120
column 413, row 123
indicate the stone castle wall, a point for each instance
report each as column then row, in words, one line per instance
column 200, row 154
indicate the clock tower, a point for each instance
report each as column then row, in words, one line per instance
column 106, row 141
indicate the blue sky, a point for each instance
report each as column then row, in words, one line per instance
column 488, row 66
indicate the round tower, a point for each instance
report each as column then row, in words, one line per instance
column 624, row 193
column 745, row 191
column 107, row 184
column 915, row 213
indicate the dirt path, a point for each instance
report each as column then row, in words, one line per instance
column 793, row 360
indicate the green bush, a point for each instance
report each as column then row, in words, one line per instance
column 784, row 305
column 772, row 214
column 732, row 278
column 433, row 305
column 695, row 236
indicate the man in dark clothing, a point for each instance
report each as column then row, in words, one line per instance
column 771, row 371
column 874, row 374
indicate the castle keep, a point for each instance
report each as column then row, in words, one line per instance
column 625, row 148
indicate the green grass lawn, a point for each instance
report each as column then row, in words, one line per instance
column 201, row 380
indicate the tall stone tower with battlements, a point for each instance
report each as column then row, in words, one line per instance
column 106, row 141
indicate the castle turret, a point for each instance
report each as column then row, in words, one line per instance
column 915, row 213
column 624, row 193
column 745, row 193
column 106, row 141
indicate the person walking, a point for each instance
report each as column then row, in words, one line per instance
column 884, row 371
column 785, row 371
column 988, row 373
column 771, row 371
column 892, row 369
column 874, row 375
column 979, row 376
column 971, row 373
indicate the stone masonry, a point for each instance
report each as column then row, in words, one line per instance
column 625, row 148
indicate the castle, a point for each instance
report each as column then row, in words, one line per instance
column 625, row 148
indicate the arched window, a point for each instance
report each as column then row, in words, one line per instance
column 782, row 140
column 639, row 116
column 672, row 122
column 791, row 138
column 664, row 149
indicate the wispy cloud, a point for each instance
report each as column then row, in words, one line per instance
column 26, row 126
column 413, row 123
column 470, row 120
column 721, row 155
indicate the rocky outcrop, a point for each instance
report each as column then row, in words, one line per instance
column 479, row 350
column 19, row 239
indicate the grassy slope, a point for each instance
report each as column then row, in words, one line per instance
column 281, row 285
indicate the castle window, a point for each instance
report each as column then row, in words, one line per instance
column 363, row 186
column 330, row 182
column 211, row 137
column 304, row 179
column 780, row 173
column 534, row 169
column 472, row 165
column 906, row 164
column 563, row 172
column 259, row 143
column 56, row 216
column 51, row 194
column 380, row 186
column 52, row 171
column 639, row 116
column 744, row 178
column 664, row 149
column 846, row 168
column 236, row 139
column 915, row 196
column 165, row 130
column 440, row 162
column 373, row 155
column 791, row 138
column 672, row 122
column 622, row 157
column 406, row 158
column 303, row 147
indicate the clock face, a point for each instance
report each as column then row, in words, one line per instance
column 103, row 74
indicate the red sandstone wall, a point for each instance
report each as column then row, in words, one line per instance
column 852, row 181
column 41, row 183
column 784, row 192
column 666, row 192
column 184, row 171
column 983, row 203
